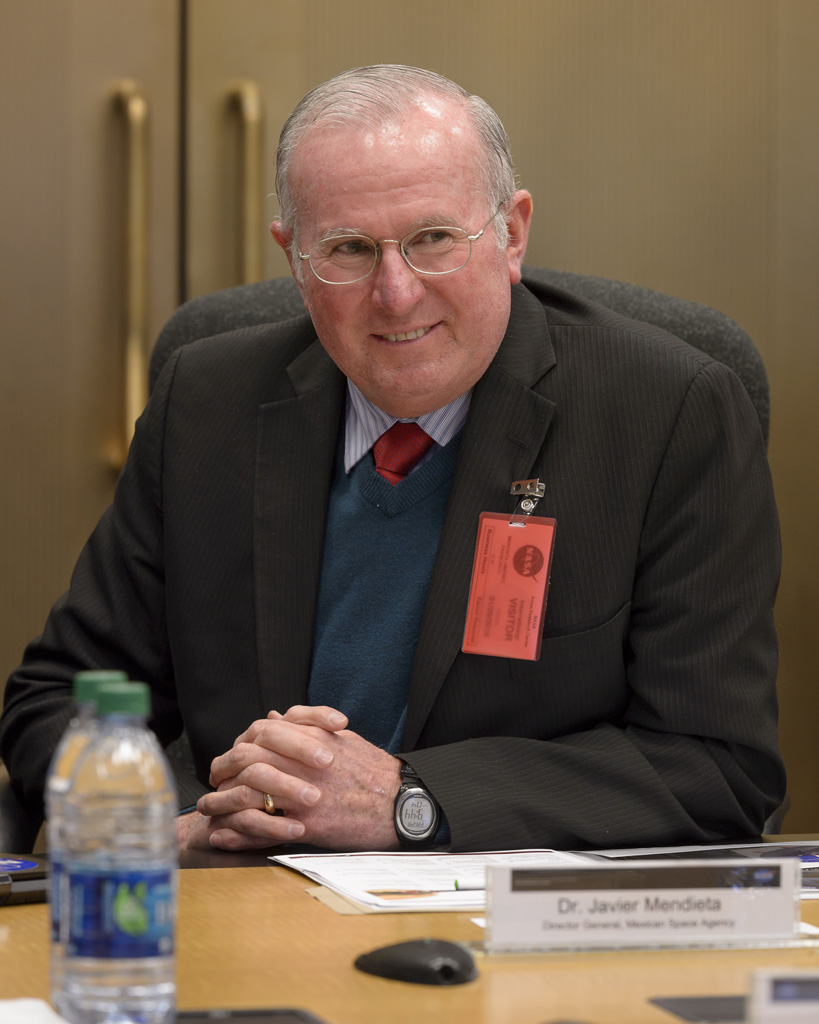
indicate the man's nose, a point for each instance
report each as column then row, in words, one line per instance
column 396, row 286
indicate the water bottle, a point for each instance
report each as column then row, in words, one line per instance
column 73, row 742
column 120, row 867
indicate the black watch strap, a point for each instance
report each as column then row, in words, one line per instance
column 408, row 772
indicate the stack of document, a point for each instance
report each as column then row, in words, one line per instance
column 390, row 882
column 806, row 850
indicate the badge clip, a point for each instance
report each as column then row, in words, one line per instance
column 531, row 492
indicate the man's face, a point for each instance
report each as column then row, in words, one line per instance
column 421, row 172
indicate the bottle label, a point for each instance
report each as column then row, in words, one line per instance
column 120, row 914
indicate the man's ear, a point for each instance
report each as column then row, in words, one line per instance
column 284, row 237
column 518, row 219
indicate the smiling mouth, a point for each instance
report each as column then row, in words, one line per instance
column 408, row 335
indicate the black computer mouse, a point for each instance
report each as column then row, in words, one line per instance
column 424, row 961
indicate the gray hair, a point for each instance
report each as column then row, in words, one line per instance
column 370, row 97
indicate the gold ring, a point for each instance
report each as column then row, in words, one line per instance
column 269, row 806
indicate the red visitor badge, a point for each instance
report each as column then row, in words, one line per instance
column 510, row 580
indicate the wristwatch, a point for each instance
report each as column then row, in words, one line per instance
column 417, row 813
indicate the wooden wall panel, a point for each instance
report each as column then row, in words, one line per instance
column 642, row 129
column 257, row 40
column 61, row 285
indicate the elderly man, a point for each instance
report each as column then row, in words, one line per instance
column 291, row 572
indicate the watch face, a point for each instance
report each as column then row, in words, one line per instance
column 416, row 813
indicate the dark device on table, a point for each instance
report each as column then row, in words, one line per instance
column 423, row 961
column 23, row 879
column 705, row 1009
column 273, row 1016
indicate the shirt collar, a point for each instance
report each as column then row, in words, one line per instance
column 365, row 423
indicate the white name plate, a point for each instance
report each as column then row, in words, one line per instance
column 655, row 903
column 783, row 996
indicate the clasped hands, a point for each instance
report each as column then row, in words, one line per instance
column 332, row 788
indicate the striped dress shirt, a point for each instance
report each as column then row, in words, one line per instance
column 365, row 423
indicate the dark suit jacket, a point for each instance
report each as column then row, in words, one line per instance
column 650, row 717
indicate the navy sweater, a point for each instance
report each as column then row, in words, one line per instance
column 379, row 549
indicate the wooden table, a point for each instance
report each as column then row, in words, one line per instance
column 251, row 936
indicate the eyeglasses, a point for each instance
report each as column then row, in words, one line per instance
column 345, row 259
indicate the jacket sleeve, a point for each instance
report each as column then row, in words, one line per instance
column 112, row 616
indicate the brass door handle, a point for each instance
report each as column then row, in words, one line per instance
column 130, row 101
column 244, row 96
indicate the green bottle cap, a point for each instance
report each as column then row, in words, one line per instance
column 118, row 698
column 86, row 683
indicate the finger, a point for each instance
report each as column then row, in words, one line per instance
column 247, row 790
column 275, row 740
column 229, row 801
column 235, row 760
column 321, row 716
column 193, row 832
column 279, row 739
column 290, row 790
column 235, row 832
column 249, row 735
column 309, row 745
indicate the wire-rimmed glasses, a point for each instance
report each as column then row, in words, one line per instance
column 347, row 258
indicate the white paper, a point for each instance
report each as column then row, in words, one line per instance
column 28, row 1011
column 390, row 882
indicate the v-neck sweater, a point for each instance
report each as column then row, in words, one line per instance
column 379, row 549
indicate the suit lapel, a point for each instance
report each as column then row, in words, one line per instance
column 504, row 433
column 296, row 445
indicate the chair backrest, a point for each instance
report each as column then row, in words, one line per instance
column 706, row 329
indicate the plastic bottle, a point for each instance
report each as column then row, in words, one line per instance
column 120, row 871
column 73, row 743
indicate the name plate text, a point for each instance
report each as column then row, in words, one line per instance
column 655, row 903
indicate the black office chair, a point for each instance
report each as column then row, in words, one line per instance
column 706, row 329
column 18, row 827
column 278, row 299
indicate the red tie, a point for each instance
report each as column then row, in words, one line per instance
column 398, row 449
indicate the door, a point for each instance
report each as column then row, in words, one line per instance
column 72, row 74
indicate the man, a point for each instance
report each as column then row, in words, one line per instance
column 302, row 614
